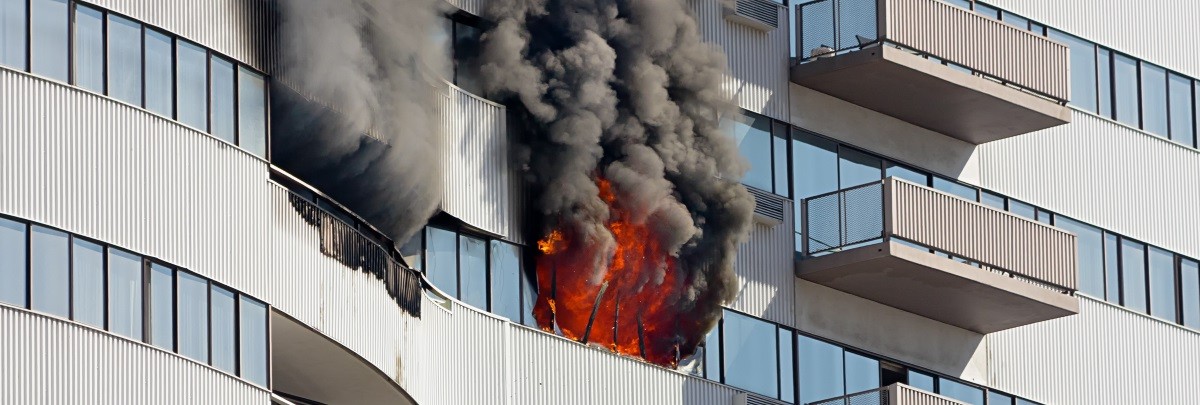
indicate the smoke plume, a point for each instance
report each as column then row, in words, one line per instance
column 626, row 93
column 370, row 68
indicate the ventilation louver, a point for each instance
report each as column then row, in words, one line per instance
column 758, row 14
column 768, row 206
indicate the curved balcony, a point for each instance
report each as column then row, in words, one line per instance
column 479, row 187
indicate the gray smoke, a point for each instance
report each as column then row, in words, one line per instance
column 371, row 64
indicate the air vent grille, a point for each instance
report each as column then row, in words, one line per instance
column 768, row 205
column 758, row 14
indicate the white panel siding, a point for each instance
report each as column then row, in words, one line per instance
column 766, row 271
column 46, row 360
column 758, row 60
column 1152, row 30
column 1104, row 355
column 1105, row 174
column 475, row 162
column 474, row 7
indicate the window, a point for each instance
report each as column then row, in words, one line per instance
column 87, row 282
column 442, row 260
column 1045, row 217
column 996, row 398
column 902, row 172
column 1189, row 286
column 252, row 112
column 1014, row 20
column 12, row 33
column 222, row 98
column 1083, row 69
column 1133, row 275
column 466, row 50
column 252, row 329
column 1182, row 127
column 857, row 168
column 1091, row 255
column 125, row 60
column 473, row 274
column 961, row 3
column 1162, row 284
column 224, row 329
column 529, row 296
column 992, row 200
column 48, row 41
column 954, row 188
column 1112, row 269
column 50, row 269
column 506, row 280
column 787, row 375
column 89, row 48
column 1154, row 100
column 862, row 373
column 779, row 142
column 750, row 356
column 752, row 133
column 125, row 294
column 960, row 391
column 712, row 355
column 814, row 165
column 987, row 11
column 413, row 252
column 1104, row 57
column 821, row 370
column 1125, row 89
column 919, row 380
column 12, row 262
column 1022, row 209
column 193, row 85
column 193, row 316
column 160, row 73
column 162, row 309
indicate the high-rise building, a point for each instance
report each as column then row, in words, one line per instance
column 955, row 202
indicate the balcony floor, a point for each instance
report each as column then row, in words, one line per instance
column 930, row 95
column 936, row 287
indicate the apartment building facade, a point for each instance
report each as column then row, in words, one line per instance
column 957, row 202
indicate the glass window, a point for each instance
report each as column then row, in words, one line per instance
column 1014, row 20
column 1045, row 217
column 1091, row 255
column 12, row 262
column 1162, row 284
column 87, row 284
column 160, row 90
column 862, row 373
column 125, row 294
column 223, row 100
column 857, row 168
column 779, row 141
column 473, row 269
column 787, row 377
column 193, row 316
column 442, row 260
column 89, row 48
column 1037, row 28
column 506, row 280
column 1083, row 69
column 1023, row 401
column 252, row 327
column 1182, row 128
column 919, row 380
column 125, row 60
column 193, row 85
column 528, row 295
column 961, row 3
column 50, row 270
column 466, row 50
column 413, row 251
column 712, row 355
column 960, row 391
column 1112, row 269
column 1104, row 57
column 1189, row 281
column 12, row 33
column 1154, row 99
column 954, row 188
column 1022, row 209
column 752, row 132
column 996, row 398
column 224, row 329
column 1133, row 275
column 49, row 38
column 1196, row 91
column 987, row 11
column 750, row 357
column 1125, row 89
column 162, row 311
column 814, row 165
column 902, row 172
column 821, row 370
column 991, row 200
column 252, row 112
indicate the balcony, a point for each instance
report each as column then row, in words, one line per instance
column 895, row 394
column 934, row 65
column 939, row 256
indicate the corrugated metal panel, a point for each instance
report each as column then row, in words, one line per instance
column 980, row 43
column 1104, row 355
column 240, row 29
column 471, row 6
column 1105, row 174
column 45, row 360
column 766, row 273
column 905, row 395
column 758, row 60
column 1149, row 30
column 475, row 162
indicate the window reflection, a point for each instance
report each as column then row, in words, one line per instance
column 902, row 172
column 1091, row 255
column 193, row 85
column 473, row 271
column 252, row 112
column 222, row 99
column 954, row 188
column 87, row 286
column 160, row 70
column 1104, row 59
column 506, row 280
column 1083, row 69
column 712, row 355
column 13, row 33
column 1189, row 282
column 441, row 247
column 1154, row 99
column 192, row 307
column 1162, row 284
column 996, row 398
column 1125, row 90
column 12, row 262
column 862, row 373
column 49, row 38
column 960, row 391
column 50, row 272
column 749, row 345
column 125, row 60
column 919, row 380
column 857, row 168
column 89, row 48
column 1133, row 275
column 252, row 339
column 162, row 310
column 1182, row 127
column 224, row 329
column 125, row 294
column 820, row 369
column 1112, row 269
column 752, row 133
column 787, row 377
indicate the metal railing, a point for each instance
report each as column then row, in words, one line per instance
column 840, row 219
column 895, row 394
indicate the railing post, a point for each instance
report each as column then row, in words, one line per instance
column 804, row 227
column 842, row 214
column 881, row 21
column 888, row 213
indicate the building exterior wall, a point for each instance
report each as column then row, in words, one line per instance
column 765, row 271
column 475, row 163
column 757, row 60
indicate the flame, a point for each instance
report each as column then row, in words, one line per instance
column 632, row 309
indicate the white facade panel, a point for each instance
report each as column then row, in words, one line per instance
column 1104, row 355
column 475, row 161
column 1105, row 174
column 46, row 360
column 757, row 60
column 475, row 7
column 765, row 269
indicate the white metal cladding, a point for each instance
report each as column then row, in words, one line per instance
column 240, row 29
column 116, row 173
column 980, row 43
column 475, row 7
column 1105, row 174
column 972, row 230
column 1152, row 30
column 1104, row 355
column 758, row 60
column 475, row 162
column 46, row 360
column 766, row 272
column 905, row 395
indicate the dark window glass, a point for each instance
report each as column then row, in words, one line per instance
column 224, row 329
column 50, row 271
column 125, row 294
column 87, row 288
column 473, row 271
column 1154, row 99
column 902, row 172
column 712, row 355
column 814, row 165
column 1189, row 281
column 466, row 51
column 442, row 37
column 12, row 33
column 193, row 85
column 222, row 100
column 160, row 91
column 1125, row 89
column 1182, row 128
column 442, row 260
column 752, row 132
column 960, row 391
column 1112, row 269
column 919, row 380
column 1083, row 69
column 787, row 376
column 528, row 295
column 125, row 60
column 821, row 370
column 987, row 11
column 954, row 188
column 49, row 38
column 12, row 262
column 780, row 145
column 506, row 280
column 996, row 398
column 862, row 373
column 992, row 200
column 1045, row 217
column 1037, row 28
column 252, row 327
column 162, row 310
column 1196, row 92
column 1133, row 275
column 252, row 112
column 749, row 349
column 1022, row 209
column 1014, row 20
column 193, row 316
column 89, row 48
column 413, row 252
column 1104, row 57
column 1091, row 255
column 857, row 168
column 1162, row 284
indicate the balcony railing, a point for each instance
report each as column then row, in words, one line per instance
column 895, row 394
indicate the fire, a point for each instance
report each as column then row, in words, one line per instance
column 632, row 309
